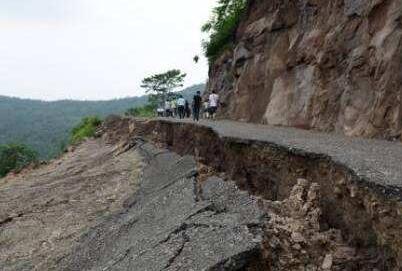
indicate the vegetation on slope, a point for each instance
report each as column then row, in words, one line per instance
column 14, row 157
column 85, row 129
column 222, row 26
column 46, row 126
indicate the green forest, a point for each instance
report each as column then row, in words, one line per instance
column 46, row 126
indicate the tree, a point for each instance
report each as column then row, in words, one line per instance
column 15, row 157
column 163, row 84
column 222, row 26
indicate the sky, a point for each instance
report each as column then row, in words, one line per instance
column 97, row 49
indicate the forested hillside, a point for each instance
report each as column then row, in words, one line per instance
column 45, row 126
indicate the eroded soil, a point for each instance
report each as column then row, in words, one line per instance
column 44, row 212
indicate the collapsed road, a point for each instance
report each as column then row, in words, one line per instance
column 171, row 195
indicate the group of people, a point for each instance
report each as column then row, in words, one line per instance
column 207, row 107
column 175, row 108
column 180, row 107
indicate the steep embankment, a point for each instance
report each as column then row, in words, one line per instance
column 359, row 179
column 327, row 65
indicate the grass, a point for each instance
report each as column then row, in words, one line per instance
column 85, row 129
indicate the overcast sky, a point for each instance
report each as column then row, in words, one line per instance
column 96, row 49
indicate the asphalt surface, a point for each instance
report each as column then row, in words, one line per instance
column 172, row 223
column 375, row 161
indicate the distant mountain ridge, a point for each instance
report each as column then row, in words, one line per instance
column 45, row 125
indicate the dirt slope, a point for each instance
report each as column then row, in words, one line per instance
column 44, row 212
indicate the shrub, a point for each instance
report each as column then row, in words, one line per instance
column 85, row 129
column 15, row 157
column 146, row 111
column 222, row 26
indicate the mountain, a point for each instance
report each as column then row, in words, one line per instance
column 45, row 126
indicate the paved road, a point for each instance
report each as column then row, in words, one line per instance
column 376, row 161
column 172, row 224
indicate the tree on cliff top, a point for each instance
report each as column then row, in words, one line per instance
column 222, row 26
column 163, row 83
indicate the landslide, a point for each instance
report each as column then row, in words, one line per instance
column 174, row 195
column 357, row 200
column 44, row 212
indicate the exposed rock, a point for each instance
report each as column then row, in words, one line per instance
column 327, row 264
column 326, row 65
column 294, row 239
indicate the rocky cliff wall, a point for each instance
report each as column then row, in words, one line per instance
column 316, row 64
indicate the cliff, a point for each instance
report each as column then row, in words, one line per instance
column 315, row 64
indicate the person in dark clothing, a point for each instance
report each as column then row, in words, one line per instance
column 181, row 103
column 187, row 109
column 197, row 100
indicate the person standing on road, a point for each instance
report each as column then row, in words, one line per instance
column 213, row 104
column 168, row 110
column 181, row 103
column 160, row 110
column 187, row 109
column 197, row 100
column 173, row 106
column 205, row 109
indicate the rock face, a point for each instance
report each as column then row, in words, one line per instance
column 316, row 64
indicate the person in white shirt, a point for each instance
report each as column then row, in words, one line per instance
column 205, row 111
column 168, row 109
column 160, row 111
column 173, row 105
column 181, row 103
column 213, row 104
